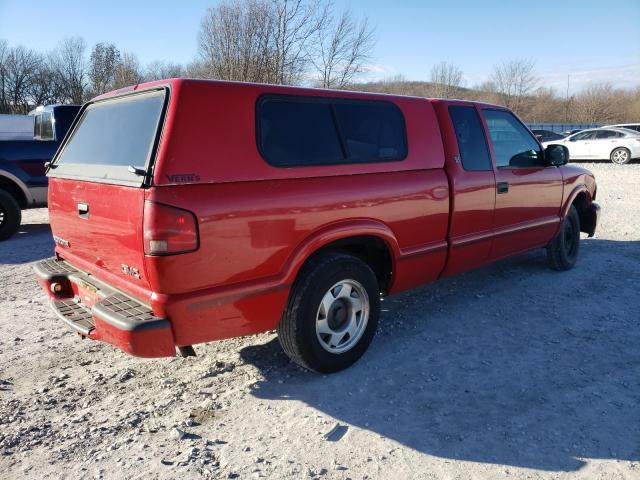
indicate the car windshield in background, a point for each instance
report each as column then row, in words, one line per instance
column 548, row 135
column 111, row 136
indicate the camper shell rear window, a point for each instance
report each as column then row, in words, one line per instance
column 311, row 131
column 111, row 136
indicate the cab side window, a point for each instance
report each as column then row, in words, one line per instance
column 588, row 135
column 604, row 134
column 513, row 145
column 472, row 144
column 311, row 131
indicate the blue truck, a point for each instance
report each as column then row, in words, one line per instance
column 23, row 183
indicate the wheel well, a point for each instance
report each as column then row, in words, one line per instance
column 14, row 190
column 371, row 250
column 582, row 206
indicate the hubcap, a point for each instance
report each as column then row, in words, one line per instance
column 342, row 316
column 620, row 156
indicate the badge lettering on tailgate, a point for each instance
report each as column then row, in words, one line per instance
column 61, row 241
column 131, row 271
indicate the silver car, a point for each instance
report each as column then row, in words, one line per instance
column 620, row 145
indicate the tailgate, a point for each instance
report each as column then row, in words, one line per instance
column 97, row 187
column 100, row 224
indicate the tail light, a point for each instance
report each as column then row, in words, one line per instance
column 168, row 230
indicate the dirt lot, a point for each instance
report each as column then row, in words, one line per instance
column 512, row 371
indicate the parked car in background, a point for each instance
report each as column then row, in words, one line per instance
column 629, row 126
column 23, row 183
column 619, row 145
column 294, row 210
column 547, row 135
column 16, row 127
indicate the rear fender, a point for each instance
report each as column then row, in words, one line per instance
column 339, row 231
column 19, row 184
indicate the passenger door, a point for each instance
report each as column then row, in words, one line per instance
column 604, row 143
column 528, row 193
column 579, row 145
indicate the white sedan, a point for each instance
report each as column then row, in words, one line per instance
column 619, row 145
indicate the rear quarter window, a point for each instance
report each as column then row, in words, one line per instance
column 472, row 143
column 311, row 131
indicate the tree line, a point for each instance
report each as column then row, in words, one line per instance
column 291, row 42
column 515, row 84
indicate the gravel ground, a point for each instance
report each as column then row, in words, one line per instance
column 511, row 371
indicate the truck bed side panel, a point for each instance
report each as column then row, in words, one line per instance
column 239, row 278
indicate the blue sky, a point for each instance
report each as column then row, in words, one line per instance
column 590, row 40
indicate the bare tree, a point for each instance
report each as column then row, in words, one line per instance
column 446, row 79
column 102, row 65
column 632, row 113
column 281, row 41
column 514, row 80
column 21, row 68
column 45, row 88
column 235, row 42
column 4, row 52
column 160, row 70
column 127, row 71
column 296, row 23
column 545, row 106
column 70, row 65
column 599, row 103
column 343, row 48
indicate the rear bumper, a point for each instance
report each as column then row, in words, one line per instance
column 589, row 219
column 100, row 312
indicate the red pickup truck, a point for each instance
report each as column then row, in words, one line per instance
column 186, row 211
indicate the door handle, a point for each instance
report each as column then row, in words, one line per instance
column 83, row 210
column 502, row 187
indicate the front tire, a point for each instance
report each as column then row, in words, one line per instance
column 562, row 252
column 10, row 215
column 620, row 156
column 332, row 313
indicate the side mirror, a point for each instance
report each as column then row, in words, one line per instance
column 556, row 155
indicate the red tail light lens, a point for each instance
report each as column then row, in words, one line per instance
column 168, row 230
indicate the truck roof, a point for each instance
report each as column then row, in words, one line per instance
column 171, row 82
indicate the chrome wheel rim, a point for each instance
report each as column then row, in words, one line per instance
column 620, row 156
column 342, row 316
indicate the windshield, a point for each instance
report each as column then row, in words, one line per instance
column 111, row 136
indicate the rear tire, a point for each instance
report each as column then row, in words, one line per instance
column 620, row 156
column 332, row 313
column 562, row 252
column 10, row 215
